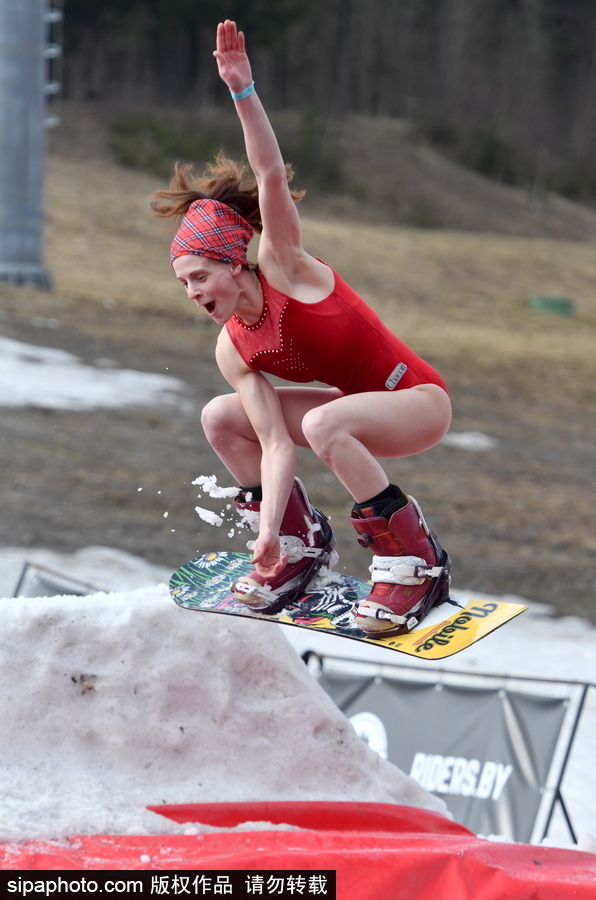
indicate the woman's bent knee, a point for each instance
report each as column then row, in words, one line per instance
column 316, row 430
column 220, row 414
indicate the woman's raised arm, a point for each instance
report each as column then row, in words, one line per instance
column 282, row 234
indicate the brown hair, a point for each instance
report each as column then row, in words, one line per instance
column 225, row 180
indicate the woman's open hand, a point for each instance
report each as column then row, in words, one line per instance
column 232, row 61
column 267, row 558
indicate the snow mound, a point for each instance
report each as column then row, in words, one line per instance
column 113, row 702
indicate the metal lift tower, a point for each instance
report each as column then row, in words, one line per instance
column 23, row 64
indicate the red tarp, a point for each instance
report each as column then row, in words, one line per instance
column 378, row 851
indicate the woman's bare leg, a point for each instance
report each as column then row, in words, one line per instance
column 233, row 439
column 353, row 430
column 346, row 432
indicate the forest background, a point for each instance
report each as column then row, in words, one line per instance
column 505, row 87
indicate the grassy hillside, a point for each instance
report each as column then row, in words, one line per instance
column 461, row 299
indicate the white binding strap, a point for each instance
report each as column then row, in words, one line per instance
column 256, row 596
column 402, row 570
column 380, row 612
column 252, row 590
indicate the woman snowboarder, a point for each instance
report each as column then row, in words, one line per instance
column 293, row 316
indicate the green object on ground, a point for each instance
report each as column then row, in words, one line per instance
column 559, row 306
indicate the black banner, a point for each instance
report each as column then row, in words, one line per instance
column 487, row 745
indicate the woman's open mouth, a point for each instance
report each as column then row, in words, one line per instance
column 210, row 307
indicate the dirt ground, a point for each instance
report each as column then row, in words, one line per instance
column 516, row 520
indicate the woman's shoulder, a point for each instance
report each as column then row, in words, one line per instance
column 307, row 279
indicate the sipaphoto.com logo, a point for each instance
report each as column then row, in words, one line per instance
column 460, row 776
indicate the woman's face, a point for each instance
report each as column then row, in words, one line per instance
column 213, row 285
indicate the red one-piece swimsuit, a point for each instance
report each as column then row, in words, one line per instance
column 339, row 341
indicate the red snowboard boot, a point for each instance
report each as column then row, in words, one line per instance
column 410, row 571
column 307, row 538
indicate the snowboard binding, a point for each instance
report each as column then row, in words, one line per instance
column 307, row 538
column 410, row 572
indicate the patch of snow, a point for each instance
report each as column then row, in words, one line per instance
column 470, row 440
column 48, row 378
column 105, row 568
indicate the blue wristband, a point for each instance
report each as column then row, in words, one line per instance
column 241, row 95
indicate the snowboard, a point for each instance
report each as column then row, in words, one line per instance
column 204, row 584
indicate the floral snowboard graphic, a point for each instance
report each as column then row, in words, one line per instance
column 204, row 584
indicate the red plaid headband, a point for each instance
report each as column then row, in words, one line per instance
column 212, row 229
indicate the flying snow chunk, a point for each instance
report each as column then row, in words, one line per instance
column 208, row 516
column 210, row 487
